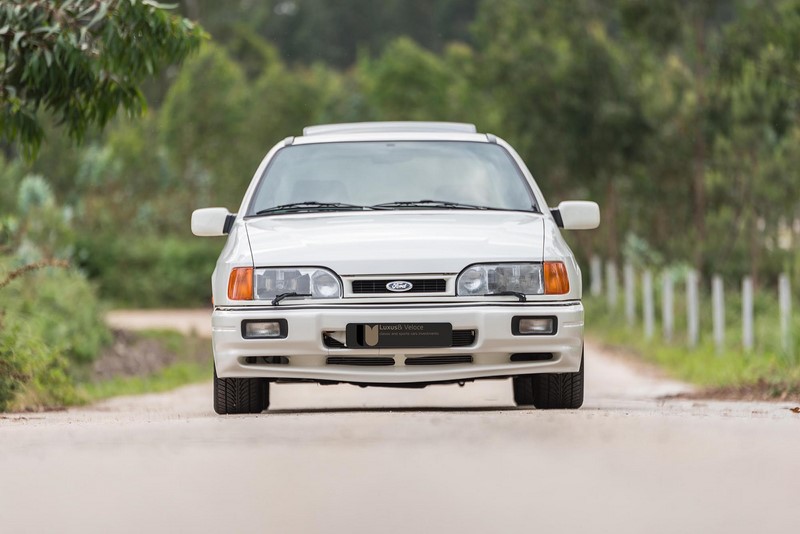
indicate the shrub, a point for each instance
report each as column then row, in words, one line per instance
column 32, row 373
column 50, row 326
column 151, row 271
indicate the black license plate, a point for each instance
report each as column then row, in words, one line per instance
column 399, row 335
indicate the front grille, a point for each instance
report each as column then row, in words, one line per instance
column 266, row 360
column 363, row 360
column 275, row 360
column 437, row 285
column 332, row 343
column 463, row 338
column 439, row 360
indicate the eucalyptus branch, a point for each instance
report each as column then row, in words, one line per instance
column 13, row 275
column 81, row 61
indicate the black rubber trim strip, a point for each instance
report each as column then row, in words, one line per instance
column 229, row 220
column 557, row 216
column 518, row 357
column 415, row 385
column 387, row 306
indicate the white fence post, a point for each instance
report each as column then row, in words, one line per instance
column 692, row 312
column 667, row 306
column 747, row 313
column 597, row 276
column 647, row 301
column 718, row 312
column 785, row 300
column 611, row 284
column 630, row 294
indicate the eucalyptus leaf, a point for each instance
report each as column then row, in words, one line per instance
column 62, row 51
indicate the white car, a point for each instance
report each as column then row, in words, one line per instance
column 397, row 254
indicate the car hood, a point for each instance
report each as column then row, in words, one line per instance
column 395, row 242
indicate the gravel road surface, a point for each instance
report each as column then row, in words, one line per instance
column 442, row 459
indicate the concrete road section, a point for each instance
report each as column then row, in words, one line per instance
column 442, row 459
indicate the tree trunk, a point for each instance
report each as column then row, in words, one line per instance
column 192, row 9
column 755, row 247
column 700, row 148
column 610, row 221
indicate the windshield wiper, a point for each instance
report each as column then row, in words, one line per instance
column 278, row 298
column 431, row 204
column 520, row 296
column 312, row 206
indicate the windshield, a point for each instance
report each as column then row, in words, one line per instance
column 396, row 174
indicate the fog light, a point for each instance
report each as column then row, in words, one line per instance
column 533, row 325
column 264, row 329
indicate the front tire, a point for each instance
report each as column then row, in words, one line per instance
column 523, row 390
column 240, row 395
column 558, row 391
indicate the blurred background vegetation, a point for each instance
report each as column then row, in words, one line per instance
column 680, row 117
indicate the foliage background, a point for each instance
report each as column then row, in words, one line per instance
column 75, row 62
column 680, row 117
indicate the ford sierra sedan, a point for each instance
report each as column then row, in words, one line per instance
column 396, row 254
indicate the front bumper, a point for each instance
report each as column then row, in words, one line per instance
column 305, row 355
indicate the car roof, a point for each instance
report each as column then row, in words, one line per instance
column 394, row 126
column 396, row 130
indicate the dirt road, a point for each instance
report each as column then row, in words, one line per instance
column 443, row 459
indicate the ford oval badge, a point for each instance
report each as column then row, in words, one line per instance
column 399, row 285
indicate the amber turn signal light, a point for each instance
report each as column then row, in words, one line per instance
column 240, row 284
column 556, row 281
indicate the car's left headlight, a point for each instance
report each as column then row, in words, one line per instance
column 314, row 281
column 526, row 278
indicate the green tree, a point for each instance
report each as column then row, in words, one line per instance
column 310, row 31
column 564, row 94
column 687, row 30
column 408, row 83
column 81, row 60
column 753, row 180
column 202, row 126
column 285, row 99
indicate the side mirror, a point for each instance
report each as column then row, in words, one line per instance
column 577, row 215
column 209, row 222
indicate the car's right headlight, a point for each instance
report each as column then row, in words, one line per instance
column 527, row 278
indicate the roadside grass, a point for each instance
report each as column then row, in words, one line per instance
column 766, row 371
column 193, row 364
column 171, row 377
